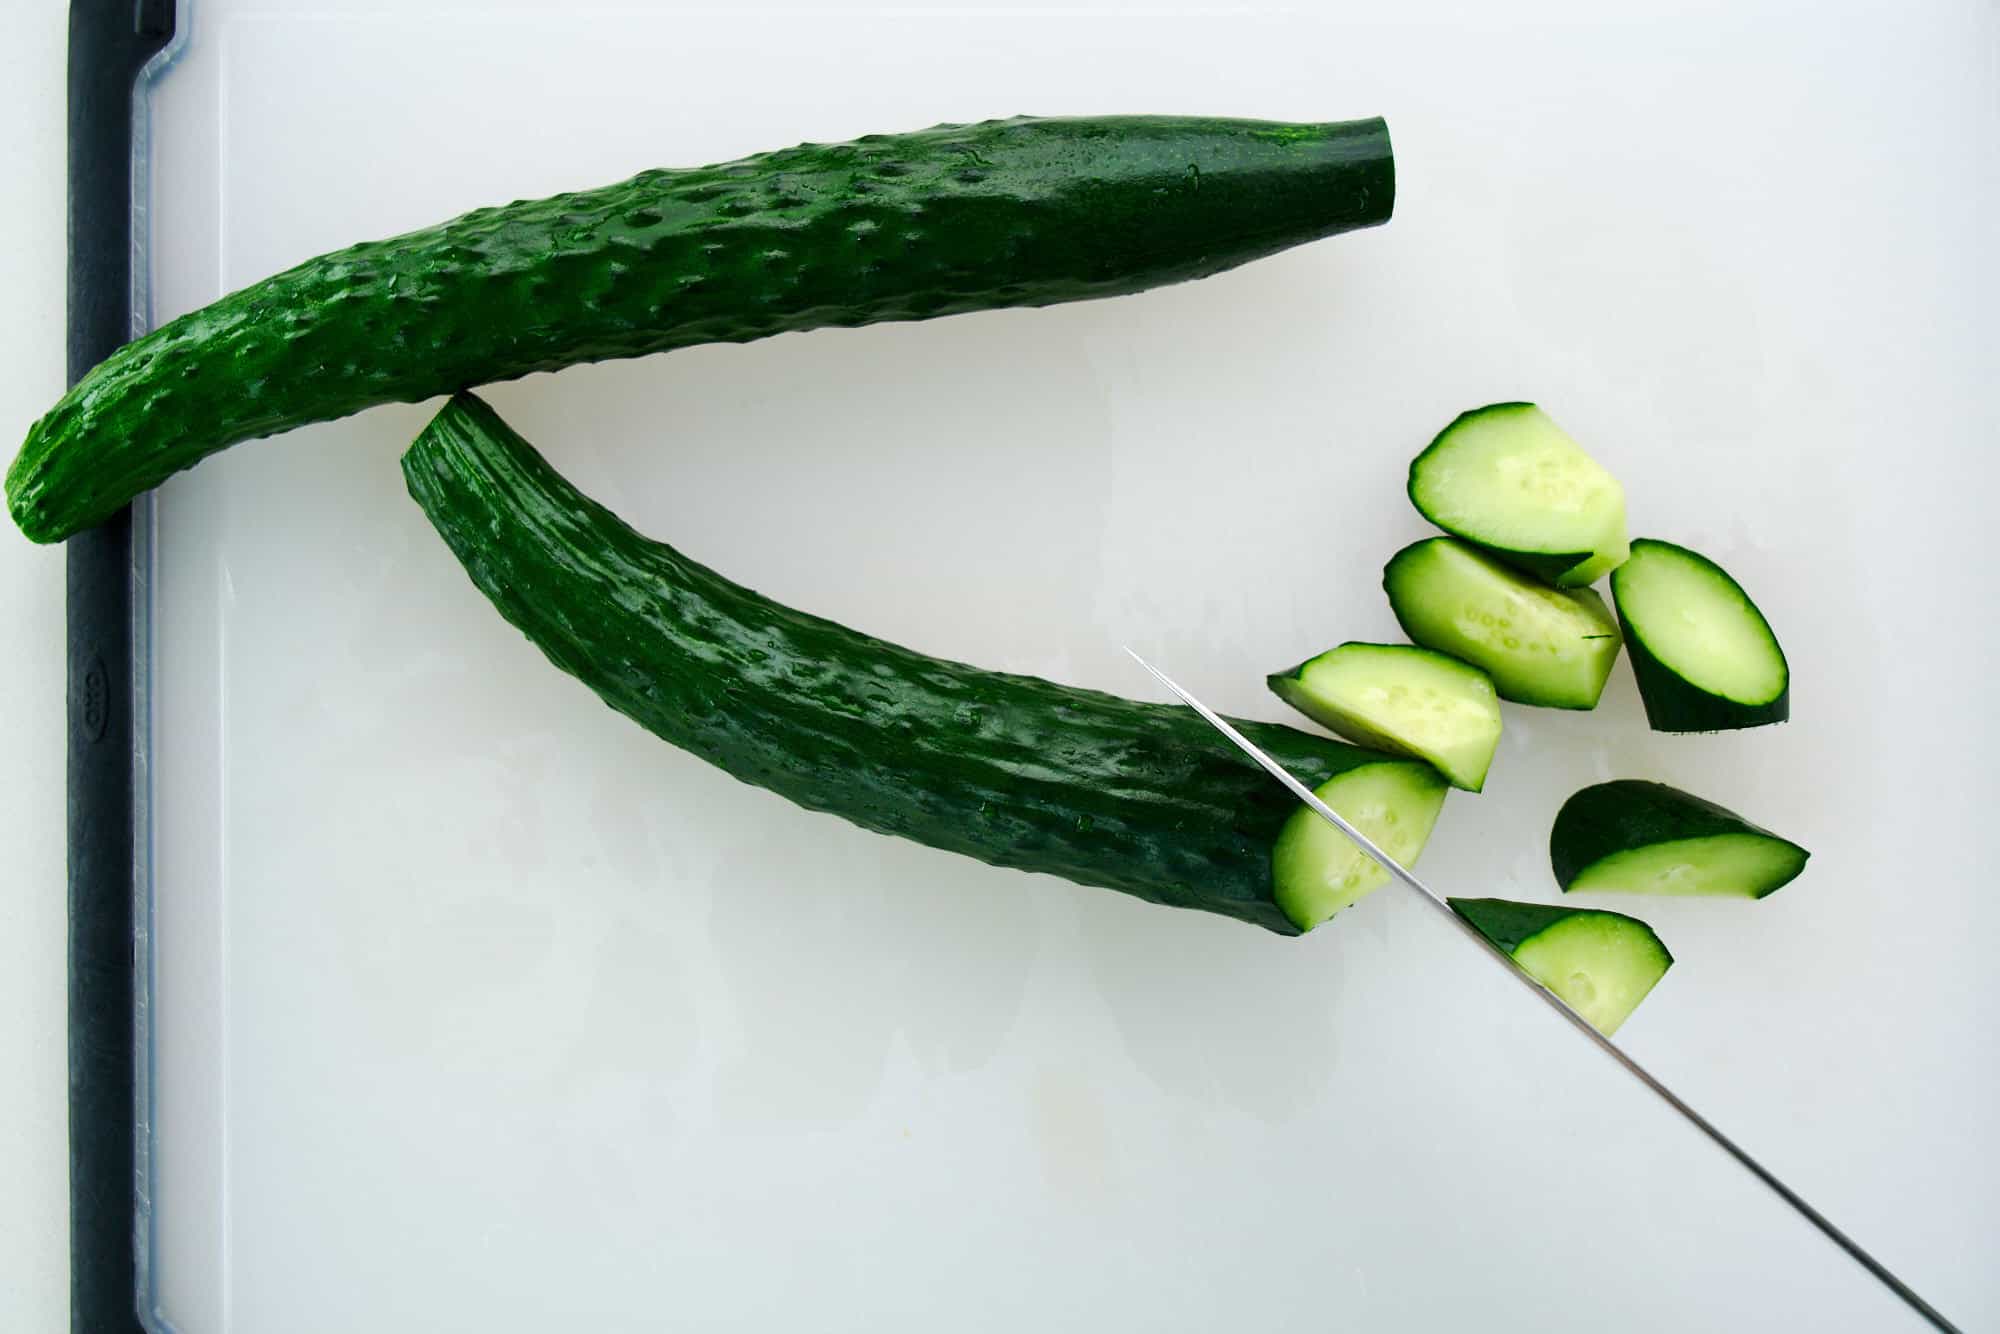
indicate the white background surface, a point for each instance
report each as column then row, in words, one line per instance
column 483, row 1051
column 34, row 1248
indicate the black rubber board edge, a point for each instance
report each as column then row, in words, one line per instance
column 109, row 42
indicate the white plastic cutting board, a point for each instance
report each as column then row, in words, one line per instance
column 475, row 1007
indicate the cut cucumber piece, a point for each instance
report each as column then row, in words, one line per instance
column 1601, row 964
column 1407, row 700
column 1634, row 837
column 1508, row 479
column 1541, row 645
column 1705, row 657
column 1316, row 870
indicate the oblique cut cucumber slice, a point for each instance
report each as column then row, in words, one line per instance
column 1602, row 964
column 1140, row 797
column 1705, row 657
column 1023, row 212
column 1541, row 645
column 1318, row 871
column 1407, row 700
column 1635, row 837
column 1508, row 479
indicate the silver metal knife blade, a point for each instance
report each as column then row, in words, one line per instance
column 1403, row 874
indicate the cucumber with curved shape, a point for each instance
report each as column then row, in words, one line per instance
column 1013, row 770
column 1506, row 478
column 1022, row 212
column 1635, row 837
column 1705, row 657
column 1541, row 645
column 1602, row 964
column 1409, row 701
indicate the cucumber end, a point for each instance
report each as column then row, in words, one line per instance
column 1316, row 871
column 25, row 494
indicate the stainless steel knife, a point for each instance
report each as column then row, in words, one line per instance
column 1401, row 873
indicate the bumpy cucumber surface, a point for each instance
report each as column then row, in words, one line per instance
column 1024, row 212
column 1602, row 964
column 1705, row 658
column 1013, row 770
column 1507, row 478
column 1635, row 837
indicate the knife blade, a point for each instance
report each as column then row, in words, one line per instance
column 1409, row 880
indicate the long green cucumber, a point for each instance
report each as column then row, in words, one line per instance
column 1023, row 212
column 1012, row 770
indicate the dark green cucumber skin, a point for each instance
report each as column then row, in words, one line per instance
column 1013, row 770
column 1511, row 925
column 1628, row 813
column 1672, row 705
column 1022, row 212
column 1536, row 564
column 1676, row 705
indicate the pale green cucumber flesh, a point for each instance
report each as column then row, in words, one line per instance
column 1316, row 870
column 1601, row 964
column 1508, row 479
column 1410, row 701
column 1704, row 656
column 1733, row 865
column 1599, row 565
column 1639, row 837
column 1541, row 645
